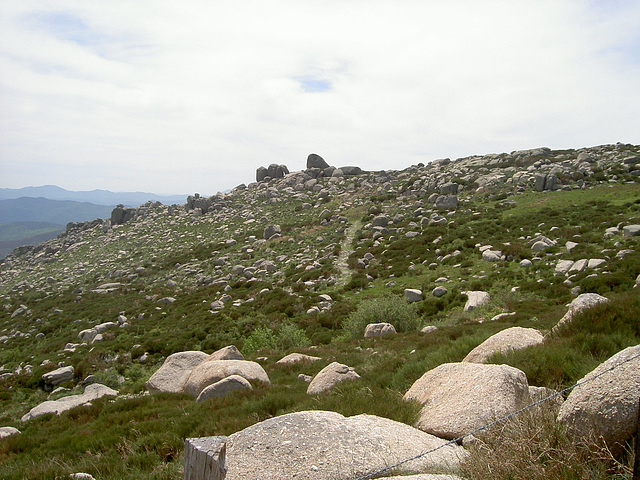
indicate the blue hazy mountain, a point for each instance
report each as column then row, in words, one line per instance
column 98, row 197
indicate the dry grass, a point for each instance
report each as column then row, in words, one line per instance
column 534, row 446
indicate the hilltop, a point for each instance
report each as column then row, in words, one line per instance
column 301, row 262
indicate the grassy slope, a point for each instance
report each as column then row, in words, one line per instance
column 142, row 436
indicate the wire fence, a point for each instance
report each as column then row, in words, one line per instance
column 587, row 379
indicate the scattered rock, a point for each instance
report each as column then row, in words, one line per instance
column 475, row 299
column 631, row 230
column 429, row 329
column 329, row 376
column 580, row 303
column 439, row 291
column 58, row 376
column 413, row 295
column 92, row 392
column 379, row 330
column 8, row 431
column 297, row 358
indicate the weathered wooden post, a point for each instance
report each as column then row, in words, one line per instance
column 636, row 463
column 204, row 458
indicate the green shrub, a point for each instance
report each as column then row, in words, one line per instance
column 394, row 310
column 288, row 336
column 261, row 337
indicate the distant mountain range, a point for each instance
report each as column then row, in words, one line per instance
column 31, row 215
column 99, row 197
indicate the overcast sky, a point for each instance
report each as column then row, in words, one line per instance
column 192, row 96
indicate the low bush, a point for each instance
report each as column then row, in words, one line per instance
column 394, row 310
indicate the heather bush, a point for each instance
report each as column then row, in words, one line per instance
column 390, row 309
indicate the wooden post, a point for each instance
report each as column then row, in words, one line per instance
column 204, row 458
column 636, row 463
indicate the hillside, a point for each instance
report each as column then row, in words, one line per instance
column 16, row 234
column 302, row 264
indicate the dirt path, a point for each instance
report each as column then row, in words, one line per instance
column 346, row 249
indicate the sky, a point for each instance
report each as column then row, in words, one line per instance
column 193, row 96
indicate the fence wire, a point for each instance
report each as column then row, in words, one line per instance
column 500, row 420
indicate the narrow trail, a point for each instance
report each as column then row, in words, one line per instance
column 346, row 249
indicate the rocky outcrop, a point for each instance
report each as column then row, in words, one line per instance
column 172, row 376
column 316, row 161
column 210, row 372
column 330, row 376
column 606, row 403
column 57, row 376
column 514, row 338
column 319, row 444
column 458, row 398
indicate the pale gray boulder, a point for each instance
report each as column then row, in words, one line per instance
column 230, row 352
column 439, row 291
column 475, row 299
column 174, row 372
column 210, row 372
column 92, row 392
column 606, row 403
column 379, row 330
column 446, row 202
column 413, row 295
column 325, row 445
column 224, row 387
column 458, row 398
column 330, row 376
column 297, row 358
column 631, row 230
column 580, row 303
column 514, row 338
column 563, row 266
column 58, row 376
column 492, row 255
column 8, row 431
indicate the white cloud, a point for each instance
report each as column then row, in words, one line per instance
column 195, row 95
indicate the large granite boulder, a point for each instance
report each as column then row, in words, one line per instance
column 316, row 161
column 350, row 170
column 92, row 392
column 606, row 403
column 458, row 398
column 324, row 445
column 514, row 338
column 330, row 376
column 261, row 174
column 210, row 372
column 174, row 372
